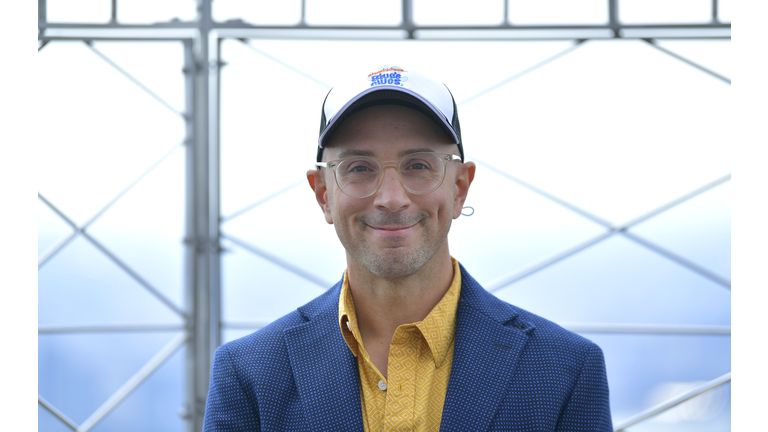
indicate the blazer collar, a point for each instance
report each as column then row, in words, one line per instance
column 324, row 369
column 490, row 337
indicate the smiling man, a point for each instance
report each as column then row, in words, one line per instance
column 407, row 340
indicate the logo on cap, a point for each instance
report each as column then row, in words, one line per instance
column 394, row 75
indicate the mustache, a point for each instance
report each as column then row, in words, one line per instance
column 390, row 219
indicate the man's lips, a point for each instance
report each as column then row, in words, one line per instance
column 391, row 228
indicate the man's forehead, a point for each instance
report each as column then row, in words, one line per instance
column 344, row 153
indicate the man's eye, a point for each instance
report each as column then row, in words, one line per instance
column 359, row 169
column 417, row 166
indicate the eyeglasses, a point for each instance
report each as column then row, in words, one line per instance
column 361, row 176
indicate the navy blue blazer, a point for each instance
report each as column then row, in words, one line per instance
column 512, row 371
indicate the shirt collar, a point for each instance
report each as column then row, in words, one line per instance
column 438, row 328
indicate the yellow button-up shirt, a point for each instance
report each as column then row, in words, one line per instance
column 418, row 365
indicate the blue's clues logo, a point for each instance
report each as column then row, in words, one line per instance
column 388, row 75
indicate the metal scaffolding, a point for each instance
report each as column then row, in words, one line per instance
column 201, row 41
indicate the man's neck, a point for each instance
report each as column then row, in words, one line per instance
column 381, row 305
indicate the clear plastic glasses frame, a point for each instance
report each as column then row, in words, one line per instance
column 420, row 178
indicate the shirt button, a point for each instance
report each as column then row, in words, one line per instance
column 382, row 385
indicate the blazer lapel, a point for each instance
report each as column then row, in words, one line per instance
column 325, row 372
column 486, row 353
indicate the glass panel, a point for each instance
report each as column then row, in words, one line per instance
column 258, row 11
column 724, row 10
column 523, row 12
column 457, row 12
column 78, row 11
column 643, row 368
column 155, row 405
column 533, row 227
column 51, row 229
column 48, row 422
column 581, row 128
column 664, row 11
column 152, row 11
column 78, row 372
column 619, row 281
column 353, row 12
column 698, row 230
column 101, row 132
column 292, row 227
column 157, row 65
column 145, row 227
column 80, row 285
column 713, row 54
column 256, row 289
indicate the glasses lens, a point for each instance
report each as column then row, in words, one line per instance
column 358, row 176
column 421, row 172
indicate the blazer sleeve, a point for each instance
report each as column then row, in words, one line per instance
column 588, row 407
column 228, row 407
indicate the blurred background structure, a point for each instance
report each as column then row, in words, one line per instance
column 174, row 215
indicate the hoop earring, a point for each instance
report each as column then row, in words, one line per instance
column 467, row 214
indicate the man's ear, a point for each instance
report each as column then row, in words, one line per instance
column 316, row 179
column 464, row 178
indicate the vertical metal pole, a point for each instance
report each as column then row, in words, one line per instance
column 407, row 14
column 203, row 274
column 191, row 240
column 113, row 18
column 613, row 17
column 42, row 14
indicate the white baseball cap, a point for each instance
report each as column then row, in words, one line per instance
column 390, row 85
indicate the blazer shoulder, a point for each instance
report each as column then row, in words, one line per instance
column 269, row 340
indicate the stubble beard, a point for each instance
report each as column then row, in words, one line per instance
column 396, row 262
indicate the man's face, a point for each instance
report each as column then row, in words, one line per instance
column 392, row 233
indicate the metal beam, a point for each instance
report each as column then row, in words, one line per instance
column 653, row 43
column 670, row 329
column 264, row 200
column 650, row 412
column 130, row 77
column 524, row 72
column 285, row 65
column 58, row 414
column 612, row 230
column 139, row 377
column 298, row 271
column 101, row 328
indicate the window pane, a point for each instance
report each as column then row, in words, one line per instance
column 523, row 12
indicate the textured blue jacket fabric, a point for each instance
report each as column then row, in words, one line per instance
column 512, row 371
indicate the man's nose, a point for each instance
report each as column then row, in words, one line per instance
column 391, row 196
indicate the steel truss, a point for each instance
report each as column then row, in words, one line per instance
column 201, row 41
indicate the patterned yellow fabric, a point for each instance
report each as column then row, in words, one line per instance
column 418, row 366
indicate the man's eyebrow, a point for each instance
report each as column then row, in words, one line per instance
column 415, row 150
column 352, row 152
